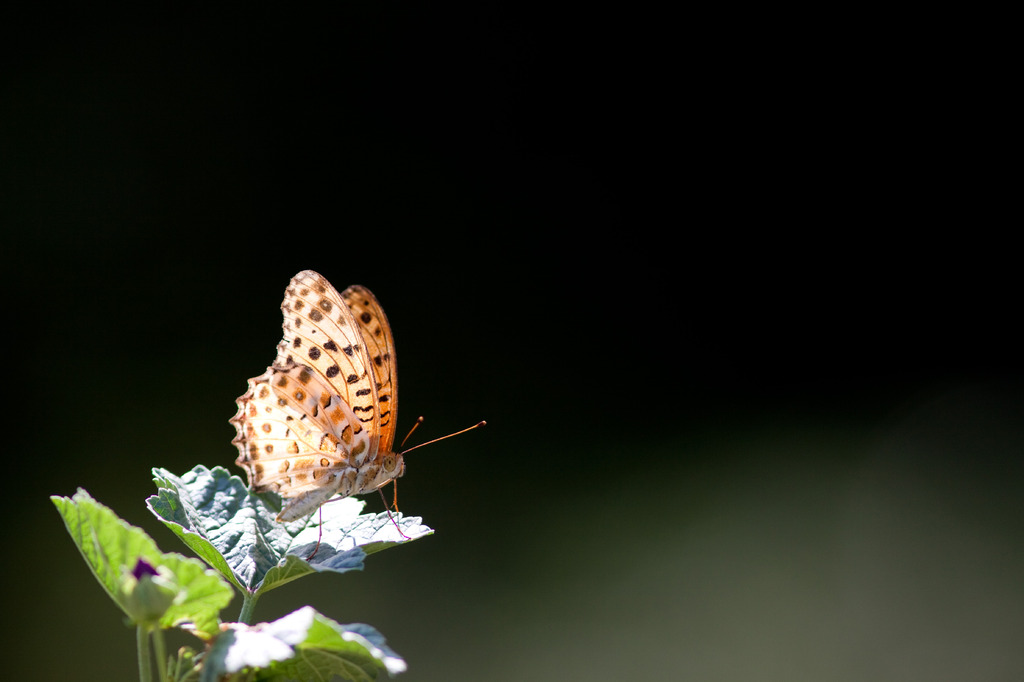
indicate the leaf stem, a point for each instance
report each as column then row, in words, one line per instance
column 248, row 606
column 160, row 649
column 142, row 643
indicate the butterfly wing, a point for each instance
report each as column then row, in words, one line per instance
column 319, row 421
column 321, row 332
column 294, row 434
column 380, row 350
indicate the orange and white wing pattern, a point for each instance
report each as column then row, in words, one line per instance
column 380, row 350
column 320, row 421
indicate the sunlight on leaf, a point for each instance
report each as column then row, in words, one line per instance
column 235, row 531
column 303, row 645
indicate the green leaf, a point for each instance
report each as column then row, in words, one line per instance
column 112, row 549
column 303, row 645
column 235, row 531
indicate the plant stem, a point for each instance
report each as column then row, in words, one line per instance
column 142, row 643
column 160, row 649
column 248, row 606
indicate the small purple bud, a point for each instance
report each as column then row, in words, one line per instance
column 143, row 567
column 146, row 594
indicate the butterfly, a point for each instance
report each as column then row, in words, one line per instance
column 321, row 420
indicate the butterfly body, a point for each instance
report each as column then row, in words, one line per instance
column 320, row 421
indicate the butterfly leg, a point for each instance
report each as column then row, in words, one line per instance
column 395, row 503
column 320, row 511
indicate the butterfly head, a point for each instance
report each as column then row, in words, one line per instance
column 388, row 467
column 393, row 465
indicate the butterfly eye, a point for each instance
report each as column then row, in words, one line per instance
column 390, row 463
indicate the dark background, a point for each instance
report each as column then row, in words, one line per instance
column 736, row 298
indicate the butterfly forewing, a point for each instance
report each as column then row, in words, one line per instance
column 320, row 420
column 380, row 351
column 319, row 331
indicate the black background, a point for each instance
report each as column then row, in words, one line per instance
column 737, row 299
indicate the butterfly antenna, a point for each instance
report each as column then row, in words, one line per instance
column 474, row 426
column 419, row 420
column 394, row 482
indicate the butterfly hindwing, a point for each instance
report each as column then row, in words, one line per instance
column 293, row 432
